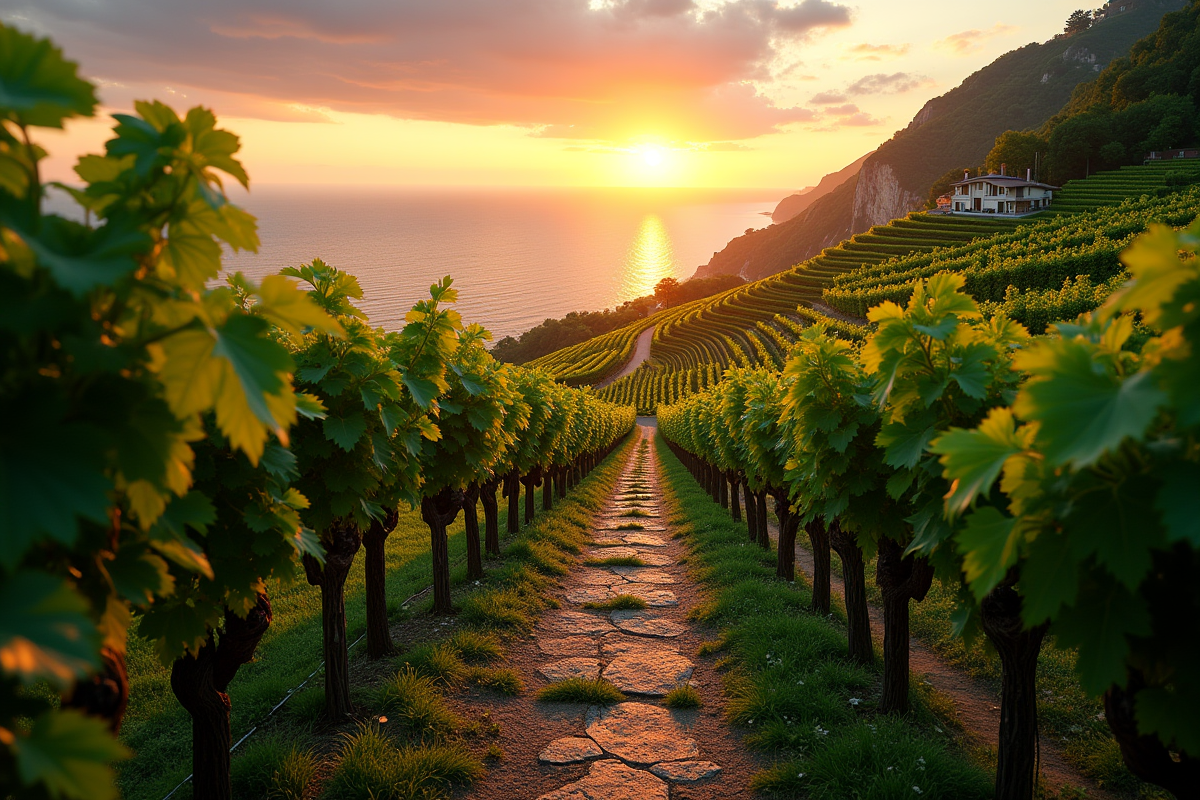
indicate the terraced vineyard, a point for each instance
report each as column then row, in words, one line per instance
column 756, row 324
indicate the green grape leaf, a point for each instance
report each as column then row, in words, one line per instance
column 989, row 545
column 973, row 459
column 423, row 390
column 45, row 633
column 1171, row 715
column 1178, row 501
column 1116, row 523
column 345, row 431
column 254, row 396
column 140, row 576
column 1049, row 577
column 291, row 309
column 78, row 258
column 905, row 442
column 69, row 754
column 38, row 84
column 51, row 474
column 1084, row 411
column 1098, row 624
column 190, row 376
column 193, row 257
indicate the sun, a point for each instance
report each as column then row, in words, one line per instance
column 653, row 156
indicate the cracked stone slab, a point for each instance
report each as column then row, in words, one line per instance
column 654, row 596
column 590, row 594
column 640, row 733
column 569, row 668
column 643, row 574
column 649, row 672
column 568, row 646
column 609, row 541
column 576, row 622
column 644, row 623
column 611, row 780
column 596, row 576
column 616, row 643
column 686, row 771
column 570, row 750
column 644, row 540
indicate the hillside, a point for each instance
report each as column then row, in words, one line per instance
column 796, row 204
column 1029, row 85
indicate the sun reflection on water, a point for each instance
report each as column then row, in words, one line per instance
column 650, row 258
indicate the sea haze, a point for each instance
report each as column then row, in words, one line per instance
column 517, row 256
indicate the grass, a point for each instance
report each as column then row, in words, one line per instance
column 631, row 526
column 684, row 696
column 789, row 684
column 274, row 767
column 592, row 691
column 501, row 681
column 636, row 512
column 616, row 561
column 412, row 701
column 373, row 766
column 620, row 602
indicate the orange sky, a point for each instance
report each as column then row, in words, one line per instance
column 535, row 92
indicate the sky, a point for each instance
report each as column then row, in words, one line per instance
column 688, row 93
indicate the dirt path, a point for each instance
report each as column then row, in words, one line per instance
column 977, row 707
column 637, row 749
column 641, row 354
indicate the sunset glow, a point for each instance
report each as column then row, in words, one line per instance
column 711, row 93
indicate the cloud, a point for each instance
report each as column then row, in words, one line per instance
column 968, row 42
column 877, row 52
column 828, row 98
column 881, row 83
column 608, row 71
column 846, row 116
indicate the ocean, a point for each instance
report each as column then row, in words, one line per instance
column 517, row 256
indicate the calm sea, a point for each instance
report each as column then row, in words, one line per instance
column 517, row 256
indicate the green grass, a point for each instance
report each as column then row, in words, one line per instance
column 274, row 767
column 374, row 766
column 635, row 512
column 684, row 696
column 412, row 701
column 631, row 526
column 502, row 681
column 618, row 602
column 616, row 561
column 592, row 691
column 157, row 728
column 789, row 685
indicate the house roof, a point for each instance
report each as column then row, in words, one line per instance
column 1005, row 180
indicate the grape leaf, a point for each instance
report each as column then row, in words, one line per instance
column 45, row 633
column 38, row 84
column 1049, row 577
column 291, row 309
column 69, row 754
column 1098, row 624
column 345, row 431
column 1178, row 501
column 988, row 544
column 973, row 459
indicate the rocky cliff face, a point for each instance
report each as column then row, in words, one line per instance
column 880, row 198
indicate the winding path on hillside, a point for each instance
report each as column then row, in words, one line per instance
column 636, row 749
column 641, row 354
column 976, row 706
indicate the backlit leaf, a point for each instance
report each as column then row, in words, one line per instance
column 45, row 633
column 989, row 546
column 69, row 754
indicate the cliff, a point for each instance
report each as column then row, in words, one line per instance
column 795, row 204
column 1018, row 91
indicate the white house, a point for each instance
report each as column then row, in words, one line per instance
column 1001, row 194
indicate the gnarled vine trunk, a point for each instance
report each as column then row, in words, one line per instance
column 819, row 537
column 735, row 506
column 512, row 490
column 438, row 511
column 103, row 694
column 785, row 554
column 531, row 481
column 722, row 487
column 548, row 490
column 858, row 623
column 760, row 507
column 751, row 513
column 471, row 524
column 491, row 516
column 900, row 578
column 379, row 635
column 1018, row 648
column 1146, row 756
column 341, row 542
column 200, row 683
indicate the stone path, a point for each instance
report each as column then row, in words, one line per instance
column 638, row 749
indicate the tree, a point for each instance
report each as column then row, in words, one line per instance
column 1078, row 22
column 665, row 291
column 944, row 185
column 1019, row 151
column 134, row 382
column 1087, row 489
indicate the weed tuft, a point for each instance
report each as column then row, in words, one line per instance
column 684, row 696
column 372, row 767
column 476, row 647
column 412, row 700
column 504, row 681
column 593, row 691
column 439, row 662
column 616, row 561
column 273, row 767
column 618, row 602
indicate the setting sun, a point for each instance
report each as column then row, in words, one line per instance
column 653, row 156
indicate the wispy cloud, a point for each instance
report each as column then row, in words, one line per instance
column 965, row 43
column 882, row 83
column 877, row 52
